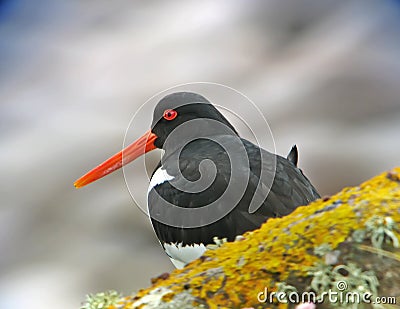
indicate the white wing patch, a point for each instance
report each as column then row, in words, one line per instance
column 159, row 177
column 182, row 255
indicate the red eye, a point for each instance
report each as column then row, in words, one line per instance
column 170, row 114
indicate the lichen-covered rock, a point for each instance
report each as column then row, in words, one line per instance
column 351, row 237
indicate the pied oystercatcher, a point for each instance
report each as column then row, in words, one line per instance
column 189, row 198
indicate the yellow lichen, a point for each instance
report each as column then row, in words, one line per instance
column 282, row 249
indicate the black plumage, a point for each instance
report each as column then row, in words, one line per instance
column 290, row 188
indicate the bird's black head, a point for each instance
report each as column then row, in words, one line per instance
column 178, row 108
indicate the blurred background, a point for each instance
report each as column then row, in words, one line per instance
column 72, row 73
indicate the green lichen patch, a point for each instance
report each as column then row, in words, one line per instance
column 101, row 300
column 163, row 298
column 348, row 283
column 379, row 230
column 382, row 229
column 217, row 243
column 288, row 249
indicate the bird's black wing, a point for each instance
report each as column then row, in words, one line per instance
column 290, row 187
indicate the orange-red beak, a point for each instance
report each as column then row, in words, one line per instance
column 136, row 149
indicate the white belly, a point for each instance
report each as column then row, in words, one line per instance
column 182, row 255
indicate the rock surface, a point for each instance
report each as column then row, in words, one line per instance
column 359, row 226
